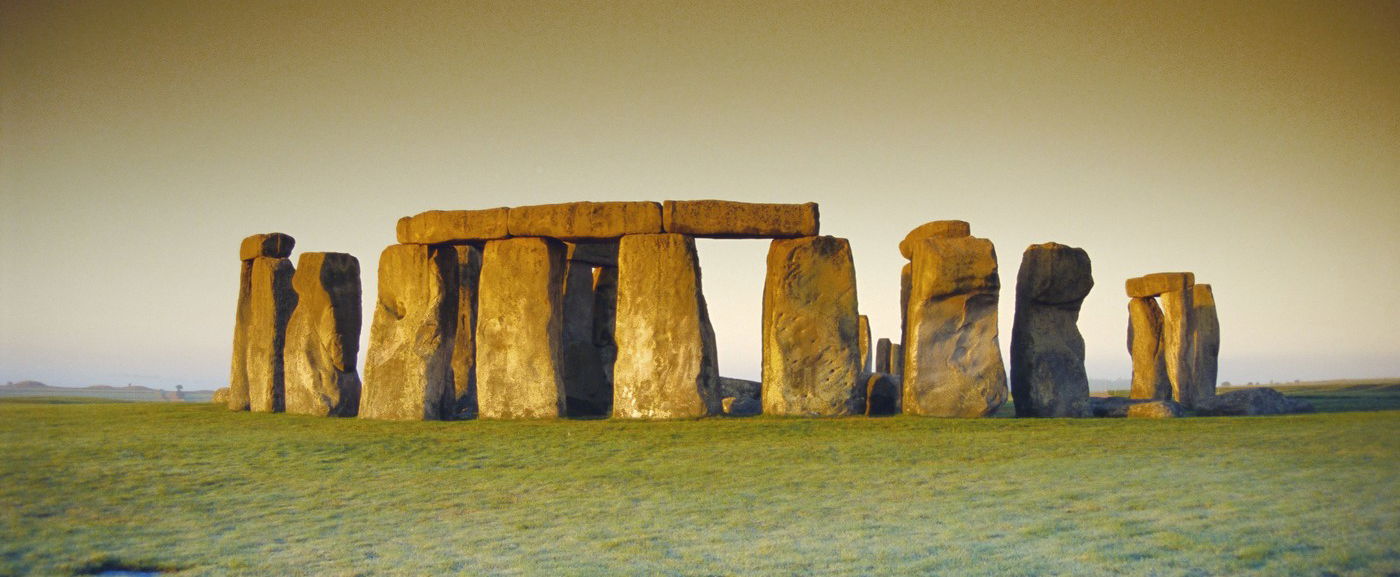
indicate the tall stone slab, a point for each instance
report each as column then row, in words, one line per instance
column 666, row 366
column 272, row 300
column 463, row 401
column 882, row 356
column 864, row 342
column 587, row 390
column 408, row 367
column 952, row 359
column 1205, row 341
column 605, row 316
column 519, row 329
column 897, row 360
column 1149, row 355
column 323, row 336
column 1177, row 328
column 237, row 399
column 811, row 354
column 1047, row 351
column 906, row 285
column 729, row 219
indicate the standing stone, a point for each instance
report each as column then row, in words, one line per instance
column 605, row 317
column 463, row 401
column 906, row 284
column 323, row 336
column 408, row 367
column 666, row 367
column 1206, row 340
column 587, row 390
column 520, row 356
column 864, row 341
column 729, row 219
column 237, row 398
column 897, row 360
column 1145, row 344
column 1047, row 351
column 952, row 359
column 1177, row 329
column 811, row 357
column 882, row 356
column 272, row 300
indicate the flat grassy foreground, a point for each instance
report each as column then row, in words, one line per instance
column 198, row 489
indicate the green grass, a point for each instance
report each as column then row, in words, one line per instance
column 209, row 492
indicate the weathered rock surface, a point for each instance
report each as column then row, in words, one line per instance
column 864, row 341
column 270, row 245
column 811, row 358
column 1113, row 406
column 731, row 387
column 272, row 301
column 1159, row 283
column 935, row 229
column 1156, row 410
column 1205, row 340
column 666, row 365
column 593, row 253
column 883, row 354
column 323, row 336
column 1047, row 351
column 587, row 388
column 220, row 396
column 583, row 221
column 463, row 402
column 1251, row 401
column 881, row 394
column 952, row 358
column 605, row 317
column 741, row 406
column 1178, row 325
column 729, row 219
column 408, row 366
column 237, row 399
column 897, row 360
column 453, row 226
column 519, row 329
column 1148, row 351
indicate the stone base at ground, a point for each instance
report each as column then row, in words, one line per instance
column 1156, row 410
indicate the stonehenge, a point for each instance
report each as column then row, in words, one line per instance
column 597, row 309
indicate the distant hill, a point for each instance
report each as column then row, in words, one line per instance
column 134, row 393
column 38, row 386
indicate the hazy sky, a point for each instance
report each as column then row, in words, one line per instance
column 1256, row 144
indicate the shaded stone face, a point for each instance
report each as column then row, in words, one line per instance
column 897, row 360
column 1159, row 283
column 463, row 402
column 1047, row 351
column 811, row 357
column 881, row 394
column 237, row 397
column 605, row 317
column 666, row 362
column 593, row 253
column 587, row 388
column 323, row 336
column 906, row 285
column 729, row 219
column 1206, row 340
column 1177, row 351
column 1148, row 352
column 270, row 245
column 408, row 367
column 935, row 229
column 519, row 329
column 1252, row 401
column 272, row 301
column 864, row 341
column 952, row 359
column 585, row 221
column 882, row 356
column 449, row 226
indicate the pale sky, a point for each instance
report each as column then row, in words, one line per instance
column 1255, row 144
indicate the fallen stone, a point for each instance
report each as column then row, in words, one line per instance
column 463, row 401
column 1148, row 352
column 882, row 356
column 1205, row 340
column 519, row 330
column 881, row 394
column 1047, row 351
column 453, row 226
column 935, row 229
column 1115, row 407
column 864, row 341
column 741, row 406
column 323, row 336
column 272, row 301
column 729, row 219
column 731, row 387
column 952, row 359
column 588, row 390
column 1159, row 283
column 237, row 399
column 270, row 245
column 1250, row 402
column 583, row 221
column 408, row 366
column 1156, row 410
column 811, row 358
column 1178, row 326
column 666, row 367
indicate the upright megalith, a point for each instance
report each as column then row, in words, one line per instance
column 811, row 357
column 666, row 365
column 323, row 336
column 519, row 327
column 585, row 221
column 605, row 316
column 1205, row 341
column 587, row 388
column 1173, row 292
column 1047, row 351
column 237, row 396
column 272, row 300
column 882, row 356
column 463, row 400
column 1145, row 345
column 453, row 226
column 952, row 359
column 864, row 341
column 729, row 219
column 408, row 367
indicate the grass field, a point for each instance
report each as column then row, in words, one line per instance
column 198, row 489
